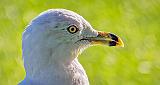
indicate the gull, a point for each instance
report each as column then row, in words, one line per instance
column 51, row 44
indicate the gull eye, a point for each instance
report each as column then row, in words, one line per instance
column 72, row 29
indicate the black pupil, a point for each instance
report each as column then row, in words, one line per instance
column 72, row 29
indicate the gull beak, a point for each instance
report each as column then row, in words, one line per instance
column 105, row 38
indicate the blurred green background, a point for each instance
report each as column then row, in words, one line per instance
column 137, row 22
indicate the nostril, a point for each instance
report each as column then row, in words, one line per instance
column 101, row 34
column 113, row 36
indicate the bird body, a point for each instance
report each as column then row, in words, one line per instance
column 51, row 44
column 73, row 74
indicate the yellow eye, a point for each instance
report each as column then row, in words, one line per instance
column 72, row 29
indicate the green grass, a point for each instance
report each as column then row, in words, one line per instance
column 136, row 21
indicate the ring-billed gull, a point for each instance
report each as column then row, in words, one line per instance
column 51, row 44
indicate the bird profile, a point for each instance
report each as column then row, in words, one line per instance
column 51, row 44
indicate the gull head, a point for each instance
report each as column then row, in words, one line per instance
column 51, row 44
column 57, row 36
